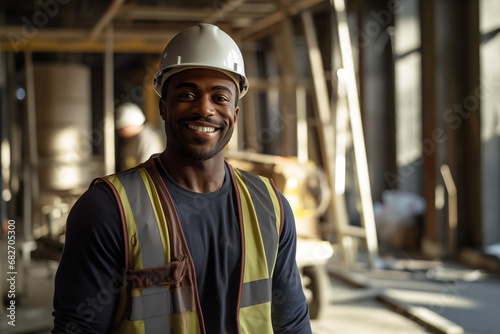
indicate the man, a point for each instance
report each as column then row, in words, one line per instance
column 184, row 243
column 138, row 139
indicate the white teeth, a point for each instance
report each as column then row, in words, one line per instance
column 201, row 128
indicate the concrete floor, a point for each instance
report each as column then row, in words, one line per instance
column 446, row 299
column 473, row 304
column 357, row 311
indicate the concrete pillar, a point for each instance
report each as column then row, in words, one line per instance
column 450, row 65
column 377, row 90
column 62, row 97
column 432, row 135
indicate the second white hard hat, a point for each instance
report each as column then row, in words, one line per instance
column 129, row 114
column 202, row 46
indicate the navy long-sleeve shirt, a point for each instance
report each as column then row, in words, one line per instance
column 90, row 275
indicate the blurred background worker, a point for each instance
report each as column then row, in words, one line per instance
column 138, row 139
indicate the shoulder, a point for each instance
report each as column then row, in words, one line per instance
column 288, row 227
column 94, row 221
column 95, row 205
column 97, row 196
column 287, row 209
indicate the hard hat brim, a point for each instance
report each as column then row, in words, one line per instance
column 241, row 82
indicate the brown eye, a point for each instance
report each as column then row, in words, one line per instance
column 186, row 96
column 221, row 98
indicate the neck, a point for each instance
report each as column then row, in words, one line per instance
column 197, row 176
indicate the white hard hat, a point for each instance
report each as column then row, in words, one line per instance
column 129, row 114
column 202, row 46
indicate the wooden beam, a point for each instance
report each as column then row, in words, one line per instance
column 14, row 38
column 325, row 125
column 77, row 47
column 105, row 19
column 276, row 17
column 452, row 209
column 226, row 8
column 361, row 163
column 283, row 45
column 125, row 47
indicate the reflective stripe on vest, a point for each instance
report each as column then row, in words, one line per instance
column 155, row 307
column 259, row 203
column 152, row 251
column 180, row 302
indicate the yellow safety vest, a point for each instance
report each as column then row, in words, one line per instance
column 159, row 293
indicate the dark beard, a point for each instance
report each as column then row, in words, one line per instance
column 202, row 155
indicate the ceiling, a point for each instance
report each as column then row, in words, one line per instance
column 133, row 25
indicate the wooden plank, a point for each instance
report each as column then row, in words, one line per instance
column 427, row 318
column 276, row 17
column 367, row 214
column 324, row 121
column 106, row 19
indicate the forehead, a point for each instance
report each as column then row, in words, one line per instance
column 202, row 78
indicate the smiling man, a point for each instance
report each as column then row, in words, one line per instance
column 199, row 110
column 184, row 242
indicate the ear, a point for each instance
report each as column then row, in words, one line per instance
column 162, row 106
column 236, row 110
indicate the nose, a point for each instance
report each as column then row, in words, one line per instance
column 205, row 106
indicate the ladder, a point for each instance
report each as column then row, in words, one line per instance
column 332, row 133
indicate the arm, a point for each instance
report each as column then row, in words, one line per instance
column 289, row 308
column 90, row 275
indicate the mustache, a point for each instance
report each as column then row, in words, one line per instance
column 202, row 119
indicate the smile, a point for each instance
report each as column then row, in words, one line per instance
column 206, row 129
